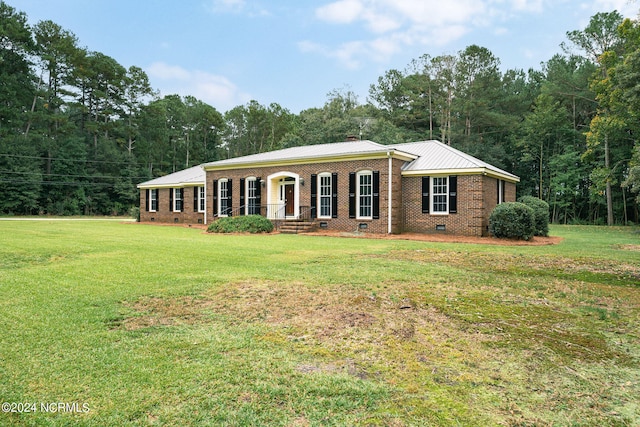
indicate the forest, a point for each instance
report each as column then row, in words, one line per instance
column 78, row 131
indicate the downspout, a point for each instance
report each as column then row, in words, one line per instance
column 205, row 198
column 390, row 193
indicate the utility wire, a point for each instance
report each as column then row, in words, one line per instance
column 62, row 183
column 74, row 176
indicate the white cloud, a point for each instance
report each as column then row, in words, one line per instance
column 528, row 5
column 217, row 91
column 393, row 25
column 628, row 8
column 341, row 12
column 386, row 27
column 226, row 6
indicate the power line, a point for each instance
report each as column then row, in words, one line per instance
column 75, row 176
column 20, row 156
column 62, row 183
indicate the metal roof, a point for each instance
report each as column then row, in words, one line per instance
column 421, row 157
column 435, row 156
column 302, row 153
column 193, row 176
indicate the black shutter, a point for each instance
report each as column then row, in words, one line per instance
column 258, row 196
column 171, row 200
column 504, row 186
column 334, row 195
column 497, row 191
column 314, row 196
column 215, row 197
column 376, row 195
column 242, row 190
column 157, row 199
column 195, row 198
column 230, row 198
column 426, row 185
column 352, row 194
column 181, row 201
column 453, row 194
column 146, row 202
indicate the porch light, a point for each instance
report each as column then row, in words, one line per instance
column 301, row 181
column 262, row 183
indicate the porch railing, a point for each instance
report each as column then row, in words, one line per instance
column 275, row 211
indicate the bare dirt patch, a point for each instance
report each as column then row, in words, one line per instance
column 497, row 262
column 153, row 311
column 635, row 248
column 445, row 238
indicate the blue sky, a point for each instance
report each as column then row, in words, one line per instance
column 227, row 52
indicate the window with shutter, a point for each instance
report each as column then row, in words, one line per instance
column 426, row 188
column 439, row 195
column 352, row 194
column 324, row 195
column 453, row 194
column 364, row 196
column 334, row 195
column 314, row 195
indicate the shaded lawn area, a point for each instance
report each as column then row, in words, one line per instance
column 147, row 325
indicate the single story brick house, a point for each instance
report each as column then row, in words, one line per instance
column 423, row 187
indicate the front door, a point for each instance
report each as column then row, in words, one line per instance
column 289, row 200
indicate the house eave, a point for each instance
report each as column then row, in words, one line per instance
column 313, row 160
column 470, row 171
column 171, row 185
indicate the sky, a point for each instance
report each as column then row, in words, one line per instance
column 295, row 52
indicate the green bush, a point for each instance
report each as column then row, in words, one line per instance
column 512, row 220
column 134, row 212
column 241, row 224
column 541, row 213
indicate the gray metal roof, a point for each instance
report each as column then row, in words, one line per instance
column 434, row 156
column 306, row 152
column 193, row 176
column 424, row 157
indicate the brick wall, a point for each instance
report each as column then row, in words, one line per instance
column 165, row 214
column 342, row 222
column 477, row 196
column 467, row 220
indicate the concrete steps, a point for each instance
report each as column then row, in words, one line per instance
column 296, row 227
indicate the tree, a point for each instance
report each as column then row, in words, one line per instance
column 542, row 135
column 601, row 42
column 16, row 90
column 137, row 90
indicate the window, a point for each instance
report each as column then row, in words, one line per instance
column 200, row 199
column 325, row 195
column 153, row 200
column 439, row 193
column 500, row 190
column 253, row 207
column 365, row 194
column 224, row 196
column 177, row 199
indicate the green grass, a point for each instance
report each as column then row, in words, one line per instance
column 152, row 325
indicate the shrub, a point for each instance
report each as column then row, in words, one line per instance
column 512, row 220
column 241, row 224
column 134, row 212
column 541, row 213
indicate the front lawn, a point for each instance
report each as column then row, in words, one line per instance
column 112, row 324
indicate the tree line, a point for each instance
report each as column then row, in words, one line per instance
column 78, row 130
